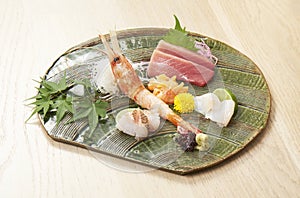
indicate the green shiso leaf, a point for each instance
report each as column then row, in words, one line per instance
column 181, row 39
column 178, row 26
column 178, row 36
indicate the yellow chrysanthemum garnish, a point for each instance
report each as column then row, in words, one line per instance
column 184, row 103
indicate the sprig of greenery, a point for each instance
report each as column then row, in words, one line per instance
column 53, row 99
column 89, row 107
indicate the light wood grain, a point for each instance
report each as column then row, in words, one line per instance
column 34, row 33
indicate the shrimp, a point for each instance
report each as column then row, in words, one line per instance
column 131, row 85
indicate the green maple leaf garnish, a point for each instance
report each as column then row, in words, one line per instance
column 100, row 108
column 63, row 104
column 49, row 94
column 53, row 97
column 90, row 109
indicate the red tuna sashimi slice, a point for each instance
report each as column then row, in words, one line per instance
column 184, row 53
column 163, row 63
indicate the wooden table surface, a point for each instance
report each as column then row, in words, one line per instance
column 34, row 33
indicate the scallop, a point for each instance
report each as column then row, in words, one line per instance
column 137, row 122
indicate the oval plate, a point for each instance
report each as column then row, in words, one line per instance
column 234, row 71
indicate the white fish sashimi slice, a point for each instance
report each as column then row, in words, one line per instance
column 205, row 103
column 222, row 113
column 212, row 108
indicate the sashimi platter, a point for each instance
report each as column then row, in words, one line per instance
column 163, row 98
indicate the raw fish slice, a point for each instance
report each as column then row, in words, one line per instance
column 212, row 108
column 170, row 65
column 184, row 53
column 222, row 113
column 205, row 103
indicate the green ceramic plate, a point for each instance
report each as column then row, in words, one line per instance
column 234, row 71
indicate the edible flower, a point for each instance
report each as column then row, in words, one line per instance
column 184, row 103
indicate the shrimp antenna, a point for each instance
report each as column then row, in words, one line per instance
column 110, row 53
column 114, row 42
